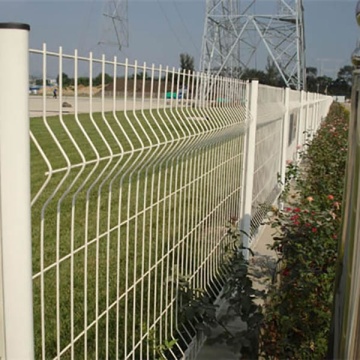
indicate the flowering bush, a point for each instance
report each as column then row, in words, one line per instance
column 298, row 314
column 326, row 156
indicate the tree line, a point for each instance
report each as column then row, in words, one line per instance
column 341, row 85
column 329, row 86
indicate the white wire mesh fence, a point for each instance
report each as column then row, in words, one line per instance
column 133, row 180
column 125, row 202
column 268, row 151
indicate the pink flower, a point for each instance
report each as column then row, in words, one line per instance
column 330, row 197
column 314, row 230
column 286, row 272
column 310, row 199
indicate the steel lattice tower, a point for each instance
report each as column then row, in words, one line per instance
column 115, row 29
column 234, row 31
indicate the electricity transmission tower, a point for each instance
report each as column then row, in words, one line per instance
column 234, row 32
column 115, row 29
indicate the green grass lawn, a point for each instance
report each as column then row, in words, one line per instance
column 128, row 203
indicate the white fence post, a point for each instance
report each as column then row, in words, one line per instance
column 243, row 172
column 250, row 164
column 15, row 218
column 285, row 135
column 309, row 117
column 312, row 116
column 300, row 126
column 317, row 112
column 315, row 116
column 306, row 120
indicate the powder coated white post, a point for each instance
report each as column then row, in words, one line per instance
column 285, row 136
column 312, row 116
column 318, row 118
column 307, row 117
column 15, row 219
column 243, row 172
column 250, row 164
column 300, row 126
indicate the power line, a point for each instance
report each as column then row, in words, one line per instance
column 186, row 28
column 170, row 25
column 85, row 26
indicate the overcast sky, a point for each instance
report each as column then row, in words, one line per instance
column 159, row 30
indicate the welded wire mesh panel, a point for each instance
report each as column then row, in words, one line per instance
column 292, row 135
column 267, row 167
column 267, row 151
column 135, row 173
column 325, row 103
column 270, row 103
column 311, row 119
column 294, row 98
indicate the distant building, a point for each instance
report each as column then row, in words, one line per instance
column 339, row 98
column 39, row 82
column 51, row 82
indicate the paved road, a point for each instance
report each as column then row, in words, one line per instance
column 83, row 105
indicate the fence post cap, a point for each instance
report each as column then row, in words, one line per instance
column 14, row 25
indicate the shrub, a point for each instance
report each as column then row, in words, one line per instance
column 298, row 314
